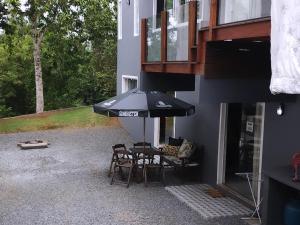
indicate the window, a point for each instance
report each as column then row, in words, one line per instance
column 129, row 83
column 203, row 13
column 161, row 5
column 173, row 7
column 119, row 19
column 158, row 7
column 238, row 10
column 136, row 17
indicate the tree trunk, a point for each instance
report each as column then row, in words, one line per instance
column 38, row 74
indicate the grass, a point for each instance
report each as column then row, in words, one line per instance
column 67, row 118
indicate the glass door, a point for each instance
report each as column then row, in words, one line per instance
column 244, row 147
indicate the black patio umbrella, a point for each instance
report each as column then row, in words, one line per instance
column 137, row 103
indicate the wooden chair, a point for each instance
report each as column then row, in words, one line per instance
column 142, row 145
column 115, row 148
column 146, row 160
column 151, row 165
column 141, row 158
column 121, row 160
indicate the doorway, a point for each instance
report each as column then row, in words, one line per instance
column 164, row 127
column 240, row 147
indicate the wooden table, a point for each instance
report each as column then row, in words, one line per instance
column 148, row 154
column 140, row 150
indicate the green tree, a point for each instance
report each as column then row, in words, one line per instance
column 16, row 85
column 77, row 53
column 100, row 25
column 3, row 15
column 43, row 15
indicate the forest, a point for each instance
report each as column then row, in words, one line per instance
column 56, row 54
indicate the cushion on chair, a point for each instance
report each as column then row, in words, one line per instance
column 173, row 160
column 186, row 149
column 175, row 141
column 170, row 150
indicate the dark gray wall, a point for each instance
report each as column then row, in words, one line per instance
column 281, row 141
column 129, row 63
column 281, row 136
column 280, row 133
column 203, row 127
column 238, row 90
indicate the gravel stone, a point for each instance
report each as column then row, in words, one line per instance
column 67, row 183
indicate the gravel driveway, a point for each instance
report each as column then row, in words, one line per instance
column 68, row 184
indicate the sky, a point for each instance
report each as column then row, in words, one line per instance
column 22, row 4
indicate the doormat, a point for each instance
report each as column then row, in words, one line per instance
column 196, row 197
column 214, row 193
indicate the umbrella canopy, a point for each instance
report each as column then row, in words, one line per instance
column 137, row 103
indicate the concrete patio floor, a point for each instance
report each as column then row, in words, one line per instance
column 68, row 184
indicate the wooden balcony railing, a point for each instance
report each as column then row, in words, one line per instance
column 198, row 40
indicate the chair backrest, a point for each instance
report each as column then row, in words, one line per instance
column 119, row 147
column 120, row 151
column 142, row 145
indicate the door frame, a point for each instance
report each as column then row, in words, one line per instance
column 262, row 149
column 222, row 144
column 221, row 164
column 156, row 130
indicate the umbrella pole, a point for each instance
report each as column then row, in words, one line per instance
column 144, row 131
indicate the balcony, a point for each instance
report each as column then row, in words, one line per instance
column 169, row 40
column 176, row 40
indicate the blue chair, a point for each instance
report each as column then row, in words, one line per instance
column 292, row 213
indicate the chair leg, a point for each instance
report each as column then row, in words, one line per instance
column 163, row 175
column 121, row 173
column 145, row 176
column 111, row 165
column 129, row 176
column 113, row 175
column 182, row 170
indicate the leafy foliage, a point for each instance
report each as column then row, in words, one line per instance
column 78, row 53
column 3, row 15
